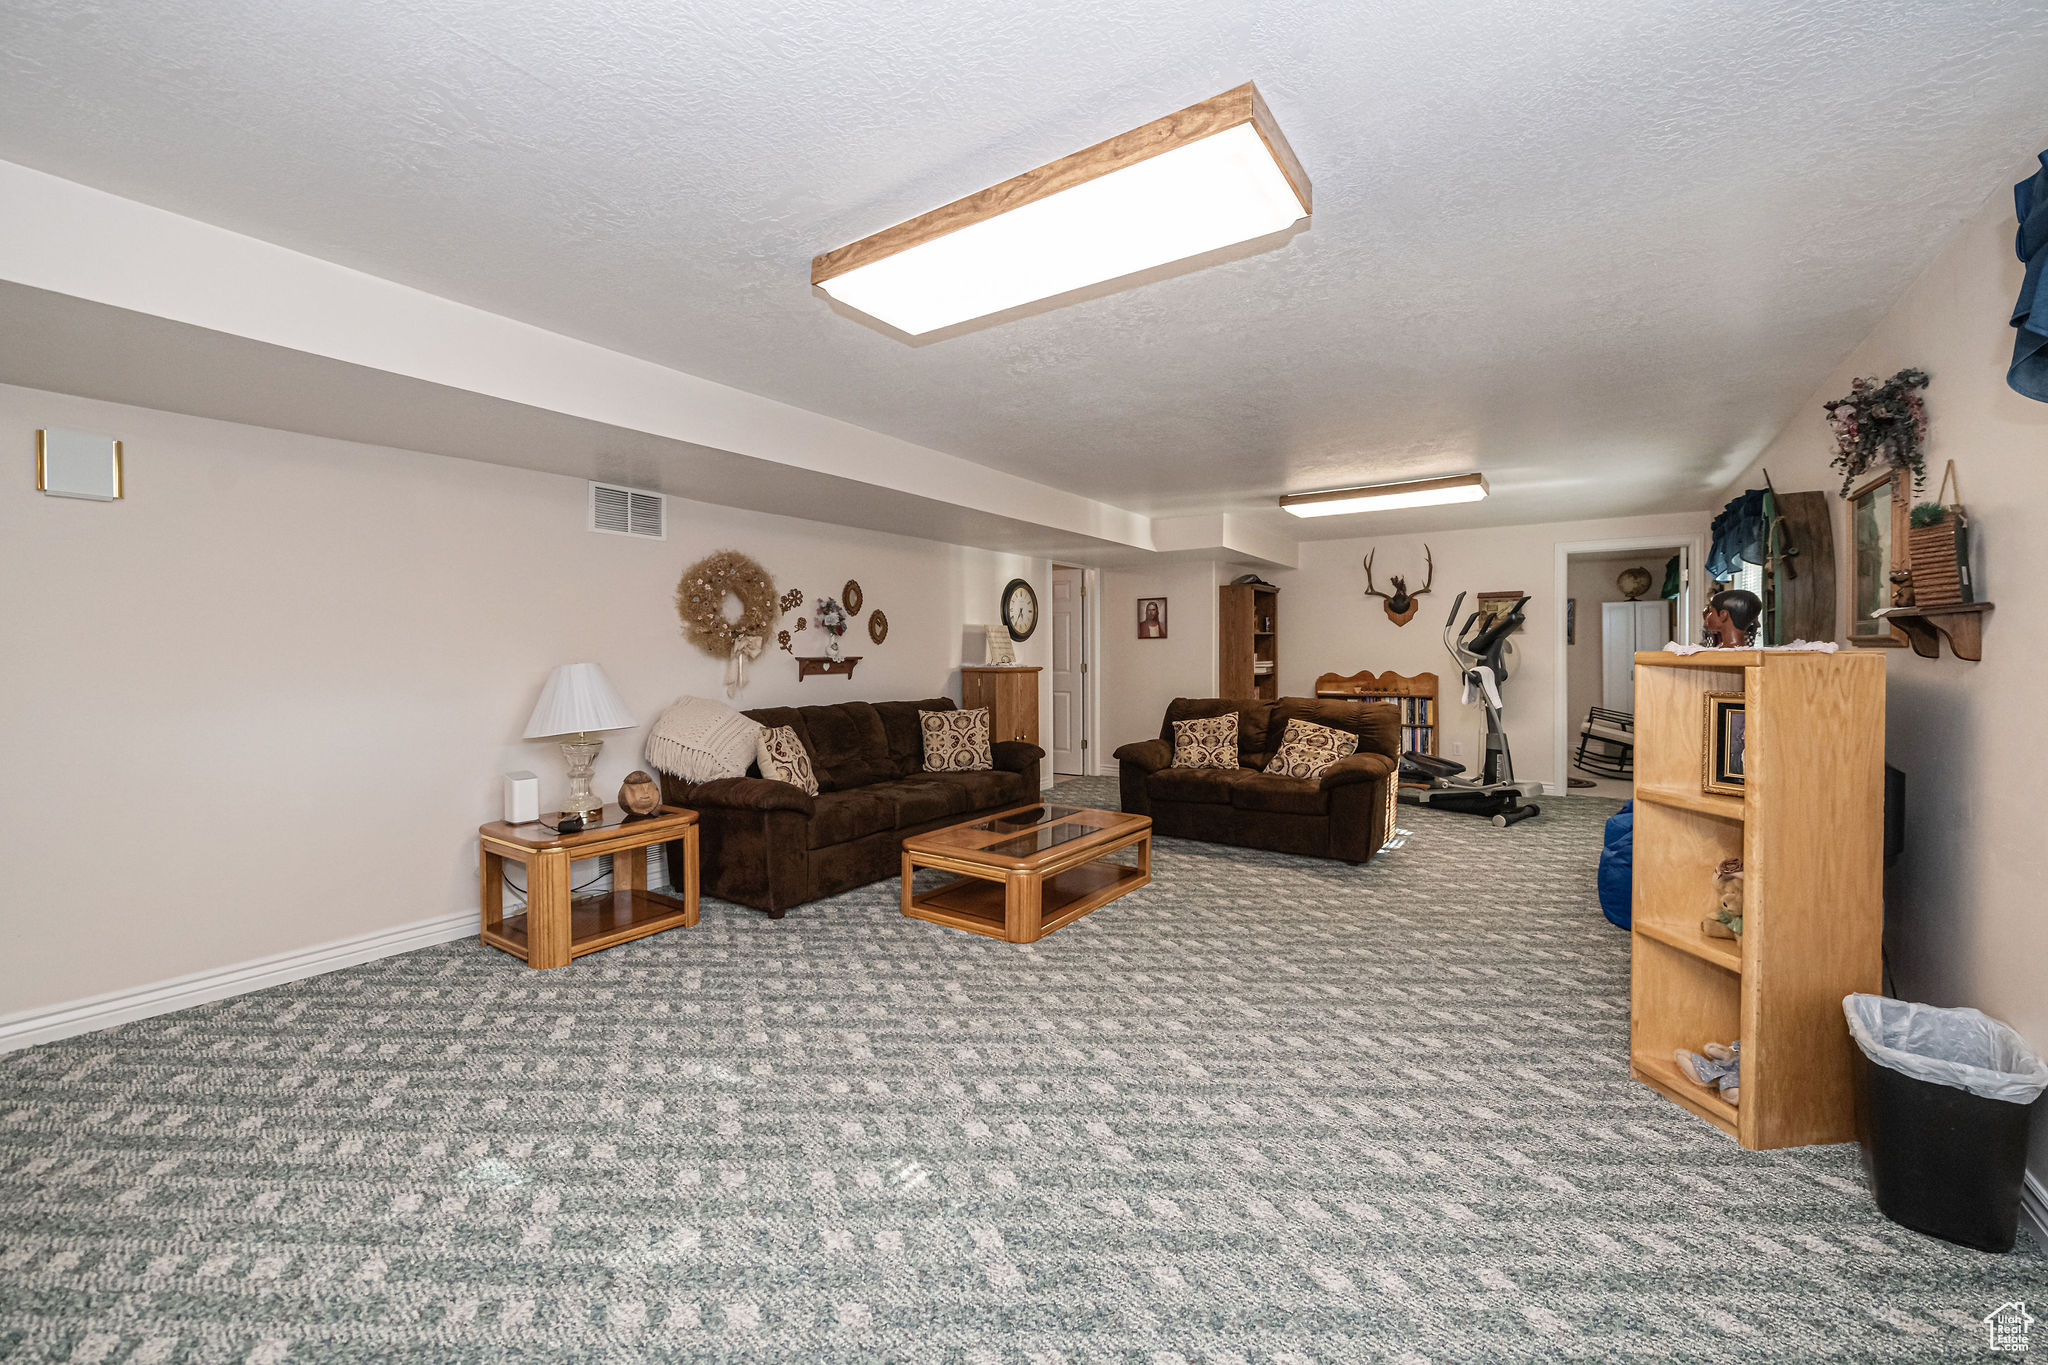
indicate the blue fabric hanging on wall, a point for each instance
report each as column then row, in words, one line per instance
column 1738, row 534
column 2029, row 372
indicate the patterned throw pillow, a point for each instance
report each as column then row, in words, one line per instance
column 1310, row 750
column 1210, row 743
column 956, row 741
column 783, row 759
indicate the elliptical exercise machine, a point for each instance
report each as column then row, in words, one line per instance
column 1480, row 648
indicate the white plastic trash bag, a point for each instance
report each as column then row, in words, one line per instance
column 1963, row 1049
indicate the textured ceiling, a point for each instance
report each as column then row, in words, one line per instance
column 1599, row 249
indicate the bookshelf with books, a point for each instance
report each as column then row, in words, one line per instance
column 1249, row 640
column 1415, row 696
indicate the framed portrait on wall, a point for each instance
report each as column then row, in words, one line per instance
column 1151, row 618
column 1571, row 620
column 1878, row 512
column 1724, row 751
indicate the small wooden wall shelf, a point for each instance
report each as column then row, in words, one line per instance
column 807, row 664
column 1809, row 828
column 1926, row 627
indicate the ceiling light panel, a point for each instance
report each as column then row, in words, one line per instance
column 1213, row 175
column 1384, row 497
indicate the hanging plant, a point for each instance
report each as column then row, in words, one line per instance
column 1880, row 424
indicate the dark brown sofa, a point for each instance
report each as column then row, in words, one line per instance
column 1347, row 813
column 771, row 845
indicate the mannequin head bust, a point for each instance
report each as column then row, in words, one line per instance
column 1730, row 619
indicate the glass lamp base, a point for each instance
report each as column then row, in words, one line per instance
column 581, row 756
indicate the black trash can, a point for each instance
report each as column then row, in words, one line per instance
column 1951, row 1095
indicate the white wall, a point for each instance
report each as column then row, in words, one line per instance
column 1966, row 921
column 263, row 703
column 1139, row 677
column 1328, row 625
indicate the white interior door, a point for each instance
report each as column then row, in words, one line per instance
column 1684, row 612
column 1618, row 656
column 1067, row 622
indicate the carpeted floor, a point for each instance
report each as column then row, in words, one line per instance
column 1265, row 1110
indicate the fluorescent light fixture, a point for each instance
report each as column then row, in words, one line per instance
column 1382, row 497
column 1214, row 174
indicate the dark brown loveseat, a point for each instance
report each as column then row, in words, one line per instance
column 1347, row 813
column 770, row 845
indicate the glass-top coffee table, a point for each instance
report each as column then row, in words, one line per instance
column 1026, row 872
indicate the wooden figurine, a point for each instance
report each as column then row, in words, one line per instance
column 1902, row 588
column 641, row 795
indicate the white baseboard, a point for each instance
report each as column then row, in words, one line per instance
column 121, row 1007
column 2034, row 1210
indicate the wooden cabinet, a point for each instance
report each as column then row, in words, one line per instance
column 1009, row 694
column 1809, row 828
column 1626, row 629
column 1248, row 633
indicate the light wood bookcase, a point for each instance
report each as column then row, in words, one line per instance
column 1809, row 828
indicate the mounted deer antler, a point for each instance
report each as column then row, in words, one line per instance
column 1400, row 603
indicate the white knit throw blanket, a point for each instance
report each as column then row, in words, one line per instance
column 700, row 740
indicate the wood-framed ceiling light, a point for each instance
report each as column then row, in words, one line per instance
column 1382, row 497
column 1213, row 175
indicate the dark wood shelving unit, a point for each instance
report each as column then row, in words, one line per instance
column 1249, row 637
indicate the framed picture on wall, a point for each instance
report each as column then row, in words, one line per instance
column 1497, row 604
column 1877, row 542
column 1151, row 618
column 1571, row 620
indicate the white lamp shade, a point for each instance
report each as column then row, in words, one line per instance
column 578, row 699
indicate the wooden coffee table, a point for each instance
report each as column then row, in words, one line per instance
column 1028, row 871
column 553, row 929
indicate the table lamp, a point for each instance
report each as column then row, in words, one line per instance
column 578, row 700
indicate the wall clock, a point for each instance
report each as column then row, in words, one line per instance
column 1020, row 609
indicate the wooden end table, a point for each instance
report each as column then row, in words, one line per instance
column 1028, row 871
column 553, row 929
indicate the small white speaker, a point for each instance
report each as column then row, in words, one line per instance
column 522, row 798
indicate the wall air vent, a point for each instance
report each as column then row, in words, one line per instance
column 628, row 511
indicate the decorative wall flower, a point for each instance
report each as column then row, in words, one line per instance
column 832, row 618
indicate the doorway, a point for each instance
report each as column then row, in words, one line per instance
column 1067, row 619
column 1619, row 597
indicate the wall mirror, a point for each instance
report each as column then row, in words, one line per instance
column 1877, row 539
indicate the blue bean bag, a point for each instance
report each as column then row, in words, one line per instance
column 1617, row 867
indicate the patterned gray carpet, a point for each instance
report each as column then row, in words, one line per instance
column 1265, row 1110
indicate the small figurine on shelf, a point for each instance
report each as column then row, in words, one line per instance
column 1720, row 1068
column 640, row 795
column 1902, row 588
column 1726, row 921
